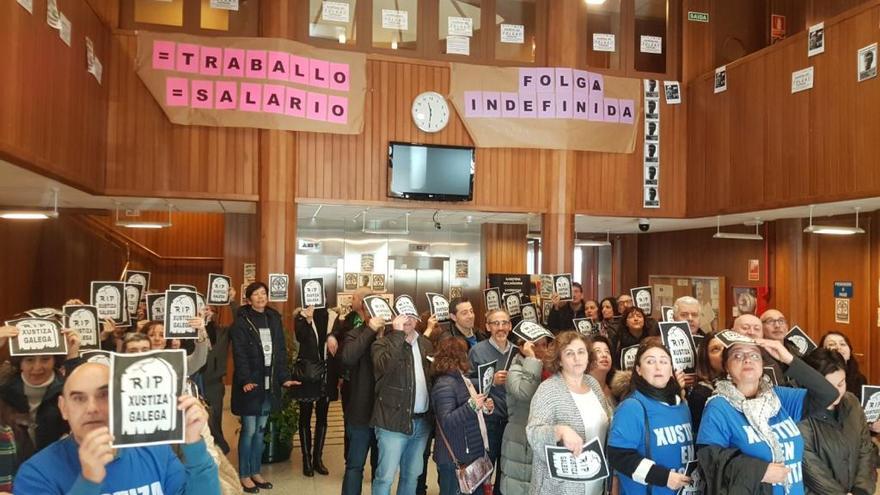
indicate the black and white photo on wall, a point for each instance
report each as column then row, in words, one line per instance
column 676, row 336
column 652, row 88
column 652, row 152
column 652, row 130
column 312, row 292
column 181, row 306
column 144, row 391
column 438, row 305
column 155, row 306
column 867, row 62
column 672, row 91
column 589, row 465
column 651, row 174
column 36, row 336
column 139, row 277
column 378, row 307
column 816, row 39
column 109, row 299
column 720, row 79
column 218, row 289
column 84, row 319
column 652, row 197
column 278, row 287
column 652, row 108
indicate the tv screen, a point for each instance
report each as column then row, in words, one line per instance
column 430, row 172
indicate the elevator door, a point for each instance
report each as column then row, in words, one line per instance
column 417, row 275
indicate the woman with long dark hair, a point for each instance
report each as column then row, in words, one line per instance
column 709, row 368
column 602, row 367
column 839, row 342
column 632, row 331
column 259, row 352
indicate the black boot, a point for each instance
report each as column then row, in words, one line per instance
column 320, row 436
column 305, row 444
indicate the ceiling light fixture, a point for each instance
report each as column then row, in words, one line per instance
column 741, row 236
column 834, row 229
column 593, row 242
column 595, row 2
column 142, row 224
column 33, row 214
column 368, row 230
column 314, row 220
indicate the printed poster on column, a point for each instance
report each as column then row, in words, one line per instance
column 36, row 336
column 144, row 388
column 278, row 283
column 84, row 319
column 263, row 83
column 551, row 108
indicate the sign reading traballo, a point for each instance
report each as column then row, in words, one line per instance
column 264, row 83
column 552, row 108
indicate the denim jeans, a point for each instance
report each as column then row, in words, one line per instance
column 360, row 438
column 399, row 450
column 250, row 442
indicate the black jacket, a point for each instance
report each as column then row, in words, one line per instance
column 560, row 319
column 354, row 356
column 50, row 425
column 449, row 401
column 214, row 369
column 247, row 356
column 838, row 451
column 395, row 380
column 312, row 347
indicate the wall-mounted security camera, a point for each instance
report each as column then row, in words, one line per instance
column 644, row 224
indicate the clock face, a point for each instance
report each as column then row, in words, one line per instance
column 430, row 112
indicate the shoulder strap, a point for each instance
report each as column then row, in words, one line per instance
column 650, row 487
column 480, row 420
column 446, row 442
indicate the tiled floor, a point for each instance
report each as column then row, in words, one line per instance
column 287, row 476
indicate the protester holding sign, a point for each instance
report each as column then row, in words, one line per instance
column 569, row 407
column 495, row 348
column 525, row 374
column 196, row 357
column 709, row 369
column 459, row 410
column 85, row 463
column 317, row 371
column 839, row 342
column 259, row 352
column 632, row 330
column 651, row 439
column 838, row 451
column 749, row 435
column 563, row 311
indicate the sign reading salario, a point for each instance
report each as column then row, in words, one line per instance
column 264, row 83
column 552, row 108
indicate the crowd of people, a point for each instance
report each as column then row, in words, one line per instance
column 754, row 416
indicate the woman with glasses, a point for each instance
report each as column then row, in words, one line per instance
column 749, row 440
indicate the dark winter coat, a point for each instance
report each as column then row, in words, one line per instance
column 395, row 380
column 313, row 347
column 357, row 365
column 247, row 356
column 838, row 452
column 50, row 425
column 449, row 401
column 561, row 319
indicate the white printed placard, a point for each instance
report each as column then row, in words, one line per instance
column 109, row 298
column 218, row 289
column 513, row 33
column 871, row 402
column 141, row 278
column 378, row 307
column 801, row 80
column 460, row 26
column 651, row 44
column 144, row 388
column 36, row 336
column 492, row 298
column 278, row 284
column 603, row 42
column 438, row 305
column 676, row 337
column 225, row 5
column 133, row 293
column 335, row 12
column 589, row 465
column 395, row 19
column 312, row 292
column 562, row 286
column 181, row 306
column 458, row 45
column 84, row 319
column 405, row 305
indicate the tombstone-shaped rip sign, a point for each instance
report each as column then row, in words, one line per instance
column 218, row 289
column 404, row 305
column 312, row 291
column 492, row 296
column 511, row 303
column 133, row 294
column 529, row 313
column 378, row 307
column 676, row 337
column 36, row 336
column 439, row 305
column 180, row 308
column 143, row 393
column 84, row 319
column 156, row 306
column 109, row 298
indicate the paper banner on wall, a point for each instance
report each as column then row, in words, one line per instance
column 278, row 284
column 551, row 108
column 263, row 83
column 36, row 336
column 144, row 388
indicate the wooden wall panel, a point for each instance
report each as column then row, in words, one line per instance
column 54, row 113
column 107, row 11
column 147, row 155
column 18, row 266
column 191, row 234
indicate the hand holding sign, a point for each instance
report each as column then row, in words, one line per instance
column 95, row 453
column 570, row 439
column 73, row 340
column 7, row 331
column 776, row 350
column 677, row 481
column 196, row 417
column 500, row 378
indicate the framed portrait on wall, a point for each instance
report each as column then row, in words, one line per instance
column 709, row 291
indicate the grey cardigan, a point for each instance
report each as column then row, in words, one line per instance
column 553, row 405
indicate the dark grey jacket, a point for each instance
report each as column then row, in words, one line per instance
column 395, row 380
column 838, row 452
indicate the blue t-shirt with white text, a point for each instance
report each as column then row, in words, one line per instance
column 725, row 427
column 672, row 440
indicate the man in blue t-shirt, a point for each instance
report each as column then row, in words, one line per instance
column 84, row 463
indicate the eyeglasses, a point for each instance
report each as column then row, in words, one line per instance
column 742, row 356
column 500, row 323
column 777, row 321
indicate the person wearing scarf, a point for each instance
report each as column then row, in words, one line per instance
column 749, row 441
column 651, row 440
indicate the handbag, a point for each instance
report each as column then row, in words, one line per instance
column 308, row 371
column 471, row 476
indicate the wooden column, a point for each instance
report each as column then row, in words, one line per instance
column 277, row 182
column 504, row 250
column 557, row 225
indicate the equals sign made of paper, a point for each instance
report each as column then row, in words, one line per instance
column 177, row 92
column 164, row 56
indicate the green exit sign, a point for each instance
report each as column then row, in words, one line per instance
column 698, row 16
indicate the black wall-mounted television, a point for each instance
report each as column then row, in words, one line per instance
column 430, row 172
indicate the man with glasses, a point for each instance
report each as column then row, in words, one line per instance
column 775, row 325
column 496, row 348
column 751, row 326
